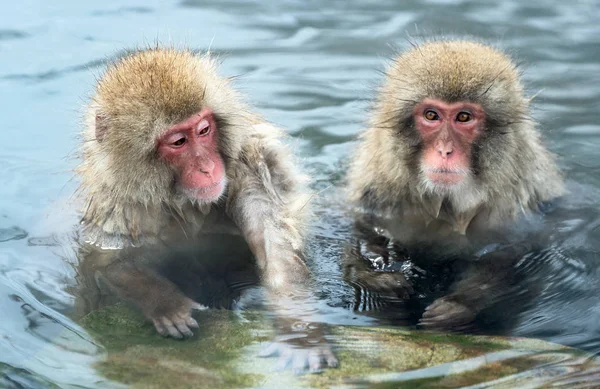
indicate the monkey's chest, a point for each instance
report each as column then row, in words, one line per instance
column 196, row 225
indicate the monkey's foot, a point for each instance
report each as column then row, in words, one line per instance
column 315, row 358
column 447, row 313
column 178, row 322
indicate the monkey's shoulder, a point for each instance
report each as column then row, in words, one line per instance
column 266, row 165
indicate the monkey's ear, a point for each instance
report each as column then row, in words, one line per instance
column 100, row 125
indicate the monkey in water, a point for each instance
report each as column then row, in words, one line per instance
column 170, row 153
column 450, row 163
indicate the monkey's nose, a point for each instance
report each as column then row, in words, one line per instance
column 445, row 150
column 206, row 166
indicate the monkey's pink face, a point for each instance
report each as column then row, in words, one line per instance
column 448, row 131
column 191, row 148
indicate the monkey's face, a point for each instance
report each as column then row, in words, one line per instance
column 191, row 149
column 447, row 131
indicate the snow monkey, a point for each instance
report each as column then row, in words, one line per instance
column 451, row 159
column 170, row 153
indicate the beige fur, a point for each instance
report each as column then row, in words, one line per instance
column 129, row 192
column 516, row 172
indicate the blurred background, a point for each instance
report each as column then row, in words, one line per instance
column 309, row 66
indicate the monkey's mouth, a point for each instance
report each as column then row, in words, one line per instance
column 445, row 176
column 208, row 193
column 209, row 188
column 445, row 171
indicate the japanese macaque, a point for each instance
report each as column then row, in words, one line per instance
column 170, row 152
column 450, row 161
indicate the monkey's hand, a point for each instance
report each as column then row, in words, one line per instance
column 160, row 300
column 302, row 349
column 359, row 271
column 448, row 313
column 175, row 317
column 387, row 284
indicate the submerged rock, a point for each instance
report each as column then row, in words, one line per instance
column 223, row 354
column 137, row 355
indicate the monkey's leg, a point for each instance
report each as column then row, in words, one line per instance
column 158, row 298
column 485, row 282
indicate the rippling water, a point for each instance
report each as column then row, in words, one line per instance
column 310, row 66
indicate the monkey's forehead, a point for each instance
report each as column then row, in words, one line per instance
column 453, row 66
column 169, row 82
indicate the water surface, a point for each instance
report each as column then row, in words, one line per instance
column 309, row 66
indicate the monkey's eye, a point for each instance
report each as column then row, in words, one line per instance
column 204, row 131
column 463, row 117
column 431, row 115
column 203, row 128
column 178, row 142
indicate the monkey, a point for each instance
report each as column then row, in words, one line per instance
column 171, row 153
column 451, row 166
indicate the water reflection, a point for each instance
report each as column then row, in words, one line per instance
column 542, row 284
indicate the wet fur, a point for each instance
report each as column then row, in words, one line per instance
column 130, row 194
column 511, row 172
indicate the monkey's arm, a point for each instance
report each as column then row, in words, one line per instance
column 265, row 202
column 300, row 340
column 266, row 205
column 127, row 273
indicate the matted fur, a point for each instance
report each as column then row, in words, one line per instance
column 512, row 172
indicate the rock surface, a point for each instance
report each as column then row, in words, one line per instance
column 223, row 354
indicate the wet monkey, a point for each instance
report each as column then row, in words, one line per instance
column 170, row 153
column 450, row 162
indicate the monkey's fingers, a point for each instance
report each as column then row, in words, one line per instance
column 171, row 329
column 271, row 350
column 187, row 319
column 447, row 309
column 320, row 355
column 315, row 361
column 434, row 307
column 182, row 327
column 447, row 314
column 285, row 358
column 446, row 325
column 191, row 322
column 300, row 360
column 330, row 357
column 159, row 327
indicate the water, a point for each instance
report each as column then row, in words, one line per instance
column 308, row 66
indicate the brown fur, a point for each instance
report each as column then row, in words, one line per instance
column 513, row 172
